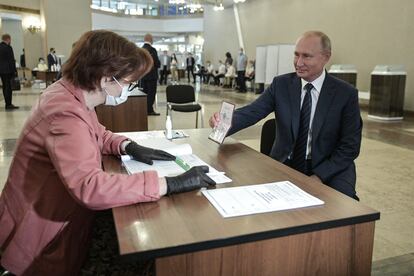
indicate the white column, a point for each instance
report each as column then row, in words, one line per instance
column 238, row 26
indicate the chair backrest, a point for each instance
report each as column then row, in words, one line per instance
column 268, row 136
column 180, row 94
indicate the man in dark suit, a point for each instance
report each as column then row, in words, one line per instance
column 52, row 59
column 165, row 61
column 190, row 61
column 7, row 70
column 149, row 81
column 318, row 122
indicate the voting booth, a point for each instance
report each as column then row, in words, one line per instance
column 387, row 92
column 345, row 72
column 272, row 61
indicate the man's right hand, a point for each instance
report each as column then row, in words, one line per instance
column 214, row 120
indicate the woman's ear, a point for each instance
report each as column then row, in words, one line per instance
column 104, row 81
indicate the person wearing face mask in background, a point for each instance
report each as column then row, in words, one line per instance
column 56, row 182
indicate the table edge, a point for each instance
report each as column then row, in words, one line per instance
column 211, row 244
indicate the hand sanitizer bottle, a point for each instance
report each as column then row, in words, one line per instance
column 168, row 128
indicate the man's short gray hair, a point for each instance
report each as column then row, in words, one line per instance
column 325, row 41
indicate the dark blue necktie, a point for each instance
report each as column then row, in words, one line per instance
column 299, row 152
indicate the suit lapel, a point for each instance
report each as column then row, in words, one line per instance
column 324, row 103
column 295, row 89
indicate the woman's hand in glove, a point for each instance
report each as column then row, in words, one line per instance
column 147, row 155
column 194, row 178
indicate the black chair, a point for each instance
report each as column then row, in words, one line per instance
column 181, row 98
column 268, row 136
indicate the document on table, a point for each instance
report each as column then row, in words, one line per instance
column 254, row 199
column 185, row 160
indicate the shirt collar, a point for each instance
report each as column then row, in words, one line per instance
column 317, row 83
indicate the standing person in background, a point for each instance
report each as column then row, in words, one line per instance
column 52, row 59
column 23, row 64
column 318, row 121
column 190, row 66
column 23, row 60
column 173, row 69
column 241, row 71
column 149, row 81
column 229, row 59
column 165, row 67
column 7, row 70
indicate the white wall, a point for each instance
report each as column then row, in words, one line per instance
column 144, row 25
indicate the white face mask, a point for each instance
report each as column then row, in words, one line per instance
column 117, row 100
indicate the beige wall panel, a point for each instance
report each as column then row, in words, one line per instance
column 65, row 22
column 220, row 35
column 364, row 33
column 33, row 45
column 28, row 4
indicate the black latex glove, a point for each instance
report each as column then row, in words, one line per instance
column 147, row 155
column 194, row 178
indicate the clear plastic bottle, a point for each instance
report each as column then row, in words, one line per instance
column 168, row 128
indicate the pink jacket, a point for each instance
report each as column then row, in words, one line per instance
column 56, row 181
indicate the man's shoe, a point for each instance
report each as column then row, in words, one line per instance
column 153, row 113
column 11, row 107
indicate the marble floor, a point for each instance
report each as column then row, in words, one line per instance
column 385, row 172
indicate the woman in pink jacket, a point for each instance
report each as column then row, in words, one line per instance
column 56, row 182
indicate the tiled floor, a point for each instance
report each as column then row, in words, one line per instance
column 385, row 171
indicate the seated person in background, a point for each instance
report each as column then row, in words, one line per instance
column 249, row 76
column 219, row 73
column 200, row 71
column 41, row 66
column 209, row 71
column 250, row 71
column 51, row 195
column 229, row 76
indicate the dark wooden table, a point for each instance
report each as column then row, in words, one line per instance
column 128, row 116
column 187, row 235
column 47, row 76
